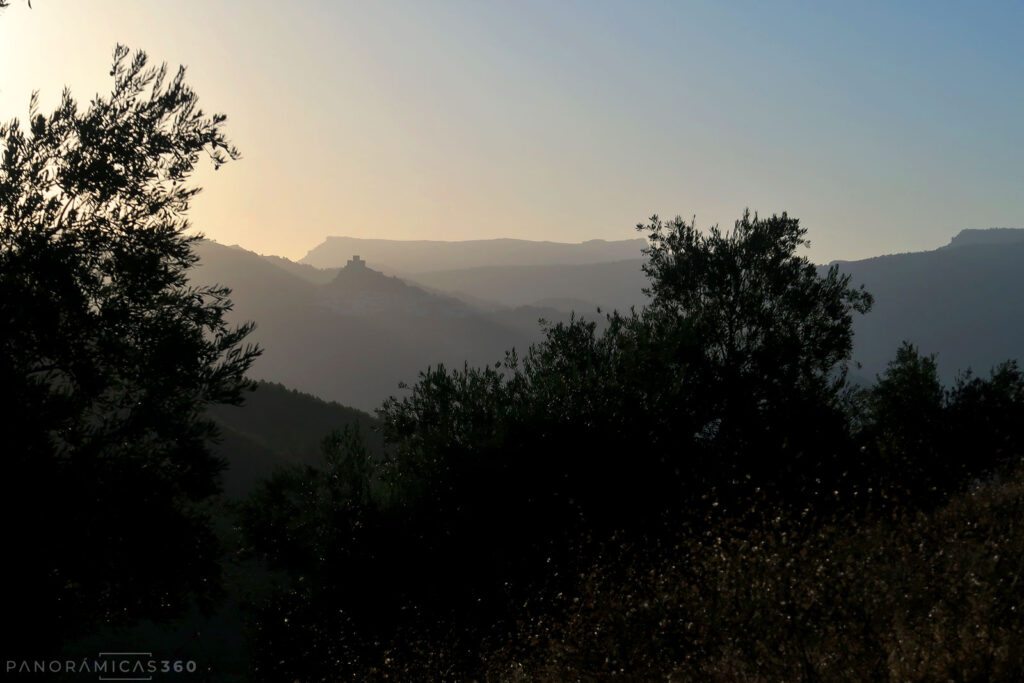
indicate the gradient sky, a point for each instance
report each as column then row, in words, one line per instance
column 884, row 127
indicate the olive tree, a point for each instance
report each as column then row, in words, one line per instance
column 773, row 332
column 109, row 356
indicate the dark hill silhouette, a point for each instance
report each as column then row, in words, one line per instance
column 256, row 285
column 278, row 426
column 358, row 289
column 317, row 276
column 355, row 336
column 323, row 276
column 416, row 256
column 971, row 237
column 354, row 339
column 964, row 302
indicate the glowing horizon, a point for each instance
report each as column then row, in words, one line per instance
column 883, row 129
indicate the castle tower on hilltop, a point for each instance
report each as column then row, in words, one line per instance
column 356, row 263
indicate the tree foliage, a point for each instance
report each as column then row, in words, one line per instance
column 498, row 483
column 108, row 356
column 756, row 304
column 774, row 334
column 922, row 440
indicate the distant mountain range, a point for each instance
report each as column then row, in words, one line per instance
column 355, row 338
column 973, row 237
column 963, row 302
column 418, row 256
column 351, row 334
column 357, row 289
column 563, row 287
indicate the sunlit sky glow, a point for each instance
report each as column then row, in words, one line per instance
column 884, row 126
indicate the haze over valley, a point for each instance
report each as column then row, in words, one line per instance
column 353, row 334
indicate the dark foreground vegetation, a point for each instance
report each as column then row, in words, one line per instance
column 915, row 596
column 693, row 491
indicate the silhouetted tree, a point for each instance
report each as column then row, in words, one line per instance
column 773, row 335
column 108, row 357
column 906, row 417
column 923, row 441
column 499, row 483
column 988, row 417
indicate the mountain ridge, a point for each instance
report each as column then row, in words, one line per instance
column 975, row 236
column 356, row 347
column 412, row 256
column 963, row 302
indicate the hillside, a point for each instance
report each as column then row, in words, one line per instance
column 973, row 237
column 258, row 286
column 317, row 276
column 278, row 426
column 964, row 302
column 356, row 338
column 416, row 256
column 357, row 289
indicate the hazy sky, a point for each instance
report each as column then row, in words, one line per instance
column 884, row 126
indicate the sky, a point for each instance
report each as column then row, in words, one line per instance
column 885, row 127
